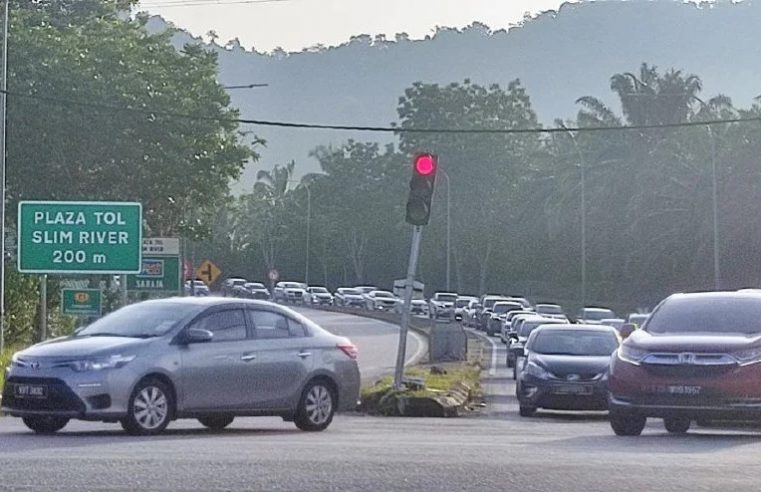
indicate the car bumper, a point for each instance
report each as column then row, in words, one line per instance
column 726, row 393
column 349, row 379
column 563, row 395
column 710, row 410
column 96, row 395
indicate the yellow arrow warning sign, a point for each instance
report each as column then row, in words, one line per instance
column 208, row 272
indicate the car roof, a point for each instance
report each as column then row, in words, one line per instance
column 568, row 326
column 511, row 303
column 208, row 301
column 597, row 309
column 547, row 304
column 718, row 295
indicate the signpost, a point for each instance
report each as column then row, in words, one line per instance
column 79, row 237
column 158, row 274
column 208, row 272
column 81, row 302
column 160, row 267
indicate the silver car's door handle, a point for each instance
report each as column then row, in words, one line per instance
column 247, row 357
column 304, row 355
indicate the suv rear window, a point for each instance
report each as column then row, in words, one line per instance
column 707, row 315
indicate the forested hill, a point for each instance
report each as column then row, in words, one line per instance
column 558, row 56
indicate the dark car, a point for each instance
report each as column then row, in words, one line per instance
column 698, row 357
column 566, row 368
column 518, row 341
column 255, row 290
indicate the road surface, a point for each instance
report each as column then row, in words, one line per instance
column 377, row 341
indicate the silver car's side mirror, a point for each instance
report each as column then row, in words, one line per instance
column 197, row 335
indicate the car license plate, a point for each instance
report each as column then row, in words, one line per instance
column 572, row 389
column 673, row 389
column 31, row 391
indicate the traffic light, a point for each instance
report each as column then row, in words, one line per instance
column 421, row 189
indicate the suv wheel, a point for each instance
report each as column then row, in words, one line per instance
column 150, row 408
column 216, row 422
column 677, row 425
column 316, row 407
column 45, row 424
column 626, row 424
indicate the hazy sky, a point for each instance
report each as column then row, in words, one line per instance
column 296, row 24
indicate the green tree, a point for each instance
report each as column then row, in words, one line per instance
column 91, row 113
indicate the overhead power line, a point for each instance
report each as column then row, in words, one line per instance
column 201, row 3
column 378, row 129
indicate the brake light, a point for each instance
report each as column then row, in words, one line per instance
column 349, row 349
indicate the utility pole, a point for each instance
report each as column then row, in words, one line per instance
column 449, row 229
column 3, row 150
column 417, row 234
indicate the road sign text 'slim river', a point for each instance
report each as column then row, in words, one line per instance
column 79, row 237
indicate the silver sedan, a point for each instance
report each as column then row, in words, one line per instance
column 206, row 358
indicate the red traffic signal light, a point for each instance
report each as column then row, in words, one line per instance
column 425, row 164
column 421, row 189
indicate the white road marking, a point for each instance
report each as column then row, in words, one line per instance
column 494, row 348
column 422, row 346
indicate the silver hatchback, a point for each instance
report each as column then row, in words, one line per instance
column 206, row 358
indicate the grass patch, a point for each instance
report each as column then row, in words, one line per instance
column 375, row 398
column 5, row 360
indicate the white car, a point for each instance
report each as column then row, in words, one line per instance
column 201, row 289
column 594, row 315
column 638, row 318
column 348, row 297
column 229, row 285
column 293, row 292
column 319, row 296
column 551, row 311
column 381, row 300
column 441, row 305
column 461, row 305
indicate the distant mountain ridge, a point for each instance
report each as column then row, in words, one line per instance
column 558, row 56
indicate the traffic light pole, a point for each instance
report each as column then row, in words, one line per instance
column 401, row 355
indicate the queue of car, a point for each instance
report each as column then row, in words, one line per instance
column 696, row 357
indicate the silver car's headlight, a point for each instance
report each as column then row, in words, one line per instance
column 113, row 362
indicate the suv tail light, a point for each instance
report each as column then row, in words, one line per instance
column 349, row 349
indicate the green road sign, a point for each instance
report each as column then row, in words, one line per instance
column 81, row 302
column 158, row 274
column 79, row 237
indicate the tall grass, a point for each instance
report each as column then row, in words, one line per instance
column 5, row 360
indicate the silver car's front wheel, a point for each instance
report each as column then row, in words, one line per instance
column 150, row 408
column 316, row 408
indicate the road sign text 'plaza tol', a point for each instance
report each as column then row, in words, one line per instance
column 79, row 237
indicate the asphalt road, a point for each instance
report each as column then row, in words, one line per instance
column 377, row 341
column 496, row 450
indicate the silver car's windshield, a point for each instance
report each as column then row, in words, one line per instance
column 446, row 298
column 141, row 320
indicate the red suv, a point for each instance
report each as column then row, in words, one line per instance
column 698, row 357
